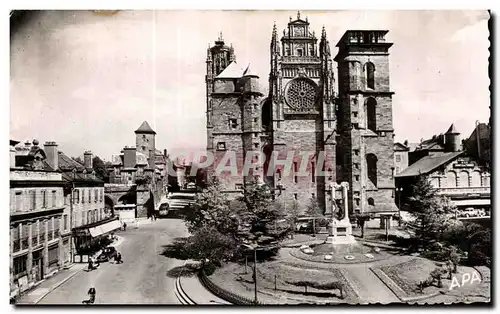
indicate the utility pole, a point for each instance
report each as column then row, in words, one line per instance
column 255, row 272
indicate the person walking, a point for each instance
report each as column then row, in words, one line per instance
column 124, row 226
column 91, row 294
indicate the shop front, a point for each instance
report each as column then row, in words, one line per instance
column 91, row 238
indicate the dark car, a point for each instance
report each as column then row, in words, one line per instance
column 107, row 254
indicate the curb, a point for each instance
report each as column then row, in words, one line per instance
column 180, row 293
column 57, row 286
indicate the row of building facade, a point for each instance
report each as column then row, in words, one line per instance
column 55, row 205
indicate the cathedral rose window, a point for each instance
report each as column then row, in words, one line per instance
column 301, row 94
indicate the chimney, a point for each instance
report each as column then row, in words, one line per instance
column 52, row 154
column 87, row 159
column 129, row 157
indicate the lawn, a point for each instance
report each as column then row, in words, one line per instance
column 233, row 277
column 408, row 275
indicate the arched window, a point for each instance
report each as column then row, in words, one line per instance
column 451, row 179
column 370, row 75
column 371, row 114
column 266, row 116
column 371, row 164
column 371, row 201
column 476, row 178
column 463, row 179
column 435, row 183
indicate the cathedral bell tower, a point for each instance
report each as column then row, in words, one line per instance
column 366, row 143
column 303, row 113
column 218, row 59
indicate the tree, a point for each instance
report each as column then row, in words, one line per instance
column 313, row 210
column 206, row 245
column 78, row 160
column 430, row 210
column 261, row 215
column 211, row 208
column 100, row 169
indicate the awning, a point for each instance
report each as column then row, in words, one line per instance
column 475, row 202
column 105, row 228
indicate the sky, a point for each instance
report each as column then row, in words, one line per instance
column 88, row 80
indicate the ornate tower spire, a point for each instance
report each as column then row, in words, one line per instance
column 298, row 15
column 232, row 56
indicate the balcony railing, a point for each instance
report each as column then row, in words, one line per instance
column 34, row 241
column 42, row 238
column 464, row 190
column 297, row 59
column 56, row 233
column 50, row 236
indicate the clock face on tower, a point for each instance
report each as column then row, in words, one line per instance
column 301, row 94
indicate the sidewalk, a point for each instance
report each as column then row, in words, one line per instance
column 198, row 293
column 48, row 285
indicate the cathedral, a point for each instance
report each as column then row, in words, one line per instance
column 345, row 128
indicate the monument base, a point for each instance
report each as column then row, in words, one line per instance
column 341, row 233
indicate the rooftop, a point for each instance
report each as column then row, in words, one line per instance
column 427, row 164
column 145, row 128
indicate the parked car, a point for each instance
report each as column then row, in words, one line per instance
column 107, row 254
column 469, row 212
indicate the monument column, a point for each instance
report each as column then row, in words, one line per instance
column 341, row 229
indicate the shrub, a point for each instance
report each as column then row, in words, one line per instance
column 209, row 268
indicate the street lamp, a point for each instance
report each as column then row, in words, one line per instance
column 254, row 248
column 400, row 191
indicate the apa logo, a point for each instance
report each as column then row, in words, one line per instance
column 466, row 278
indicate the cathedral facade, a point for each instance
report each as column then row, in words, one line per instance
column 327, row 132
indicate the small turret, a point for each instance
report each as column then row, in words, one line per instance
column 250, row 82
column 452, row 140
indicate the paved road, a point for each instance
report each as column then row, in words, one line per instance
column 141, row 279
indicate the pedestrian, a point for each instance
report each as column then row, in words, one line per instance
column 91, row 264
column 124, row 226
column 119, row 258
column 91, row 294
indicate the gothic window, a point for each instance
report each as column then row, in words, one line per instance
column 311, row 51
column 301, row 94
column 451, row 179
column 398, row 158
column 266, row 115
column 371, row 163
column 300, row 52
column 371, row 114
column 370, row 75
column 313, row 172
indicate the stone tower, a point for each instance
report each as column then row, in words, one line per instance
column 233, row 126
column 365, row 148
column 145, row 142
column 302, row 114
